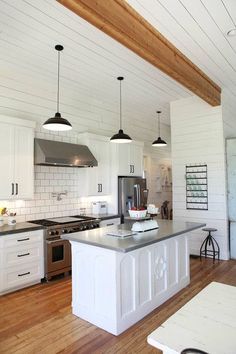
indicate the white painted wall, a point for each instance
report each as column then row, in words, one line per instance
column 197, row 137
column 229, row 113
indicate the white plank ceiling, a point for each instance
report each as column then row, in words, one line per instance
column 91, row 61
column 199, row 29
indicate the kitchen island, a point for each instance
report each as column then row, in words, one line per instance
column 117, row 281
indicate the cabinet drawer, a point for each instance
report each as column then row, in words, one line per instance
column 21, row 255
column 21, row 239
column 16, row 277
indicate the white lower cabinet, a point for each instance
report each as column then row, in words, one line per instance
column 21, row 260
column 110, row 222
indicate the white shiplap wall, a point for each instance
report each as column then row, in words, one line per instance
column 197, row 137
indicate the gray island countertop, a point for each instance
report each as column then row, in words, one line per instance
column 98, row 237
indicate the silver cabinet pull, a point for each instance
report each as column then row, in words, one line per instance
column 12, row 189
column 101, row 188
column 23, row 239
column 112, row 223
column 16, row 188
column 23, row 255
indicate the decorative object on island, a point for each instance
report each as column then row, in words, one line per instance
column 138, row 213
column 196, row 187
column 159, row 141
column 210, row 242
column 58, row 123
column 152, row 209
column 120, row 137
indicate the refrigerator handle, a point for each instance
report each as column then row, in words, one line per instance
column 137, row 194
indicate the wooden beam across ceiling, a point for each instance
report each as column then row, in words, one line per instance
column 121, row 22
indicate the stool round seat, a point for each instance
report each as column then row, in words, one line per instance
column 209, row 229
column 210, row 246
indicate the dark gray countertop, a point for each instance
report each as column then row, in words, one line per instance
column 104, row 216
column 19, row 227
column 98, row 237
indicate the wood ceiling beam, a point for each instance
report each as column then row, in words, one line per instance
column 121, row 22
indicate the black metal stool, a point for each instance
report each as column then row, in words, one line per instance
column 210, row 241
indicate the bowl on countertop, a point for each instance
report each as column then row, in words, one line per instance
column 137, row 214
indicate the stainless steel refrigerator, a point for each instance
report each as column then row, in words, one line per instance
column 132, row 192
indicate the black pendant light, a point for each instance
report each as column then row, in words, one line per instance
column 159, row 142
column 57, row 123
column 120, row 137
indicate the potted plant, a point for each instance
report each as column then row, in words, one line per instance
column 3, row 211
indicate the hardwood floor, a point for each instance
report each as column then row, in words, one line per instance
column 39, row 319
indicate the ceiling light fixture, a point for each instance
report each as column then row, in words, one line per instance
column 120, row 137
column 231, row 32
column 57, row 123
column 159, row 142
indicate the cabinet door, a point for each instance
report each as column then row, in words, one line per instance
column 136, row 159
column 24, row 163
column 104, row 167
column 124, row 166
column 7, row 161
column 99, row 177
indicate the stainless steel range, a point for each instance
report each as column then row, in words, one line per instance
column 57, row 252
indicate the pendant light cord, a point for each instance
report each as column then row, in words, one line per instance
column 159, row 123
column 58, row 80
column 120, row 108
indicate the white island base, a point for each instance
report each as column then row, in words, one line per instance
column 114, row 290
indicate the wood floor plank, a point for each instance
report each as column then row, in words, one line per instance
column 39, row 319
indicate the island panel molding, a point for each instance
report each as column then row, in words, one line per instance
column 121, row 22
column 114, row 290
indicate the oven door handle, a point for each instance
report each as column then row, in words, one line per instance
column 55, row 241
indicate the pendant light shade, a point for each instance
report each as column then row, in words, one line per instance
column 159, row 142
column 120, row 137
column 57, row 123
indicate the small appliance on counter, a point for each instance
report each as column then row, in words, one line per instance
column 146, row 225
column 99, row 208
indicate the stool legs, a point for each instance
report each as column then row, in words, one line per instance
column 210, row 241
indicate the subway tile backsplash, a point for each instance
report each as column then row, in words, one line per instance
column 48, row 180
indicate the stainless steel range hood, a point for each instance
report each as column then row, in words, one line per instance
column 57, row 153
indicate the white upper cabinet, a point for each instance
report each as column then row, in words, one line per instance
column 96, row 181
column 130, row 159
column 16, row 156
